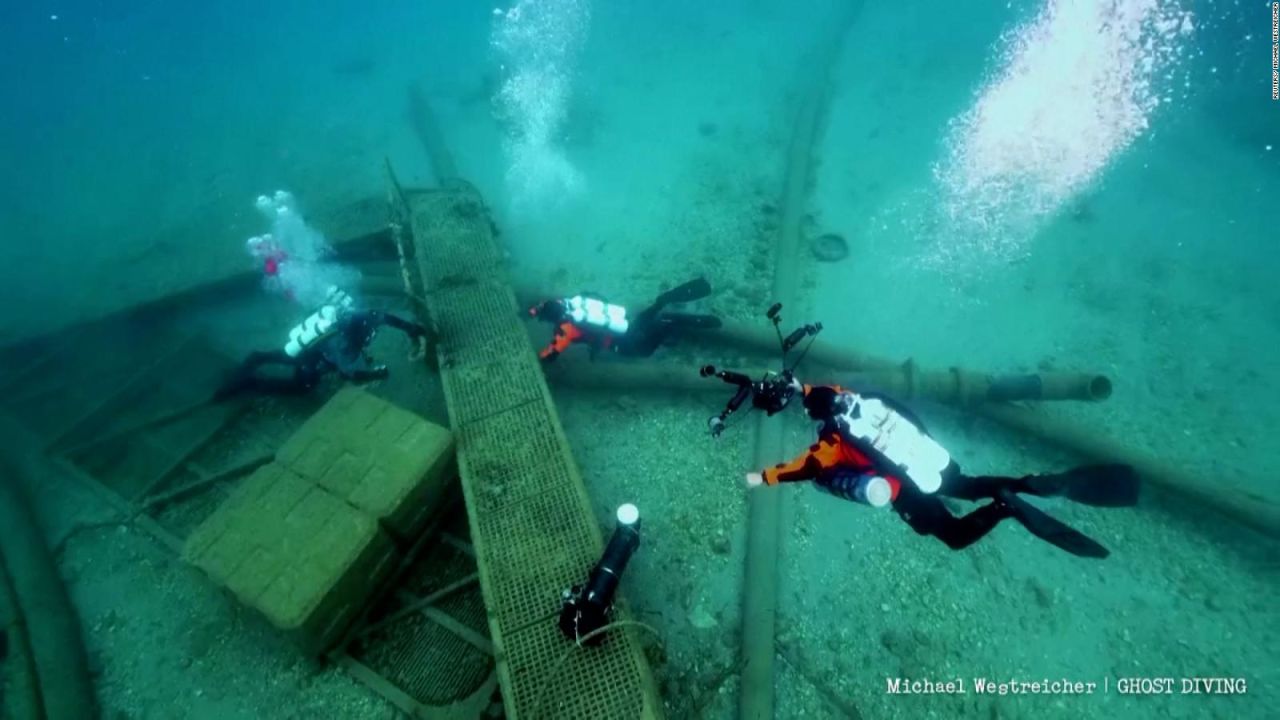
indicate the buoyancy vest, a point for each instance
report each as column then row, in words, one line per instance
column 597, row 314
column 871, row 424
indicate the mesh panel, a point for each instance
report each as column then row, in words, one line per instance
column 453, row 238
column 512, row 456
column 479, row 391
column 467, row 607
column 478, row 324
column 426, row 661
column 593, row 682
column 533, row 532
column 535, row 553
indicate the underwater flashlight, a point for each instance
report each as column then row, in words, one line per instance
column 586, row 607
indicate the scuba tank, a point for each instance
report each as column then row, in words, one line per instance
column 867, row 489
column 319, row 323
column 875, row 427
column 597, row 313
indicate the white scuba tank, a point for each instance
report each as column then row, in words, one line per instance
column 597, row 313
column 870, row 490
column 339, row 299
column 308, row 331
column 872, row 423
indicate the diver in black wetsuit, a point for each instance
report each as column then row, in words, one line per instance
column 602, row 325
column 872, row 450
column 333, row 339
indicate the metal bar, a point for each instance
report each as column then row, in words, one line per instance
column 205, row 480
column 473, row 638
column 126, row 390
column 130, row 513
column 189, row 450
column 162, row 419
column 388, row 690
column 459, row 544
column 417, row 603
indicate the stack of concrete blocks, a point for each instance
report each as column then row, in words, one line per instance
column 308, row 538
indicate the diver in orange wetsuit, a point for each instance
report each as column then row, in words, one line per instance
column 604, row 326
column 872, row 450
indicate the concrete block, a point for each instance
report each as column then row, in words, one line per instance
column 304, row 558
column 382, row 459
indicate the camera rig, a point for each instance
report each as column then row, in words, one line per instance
column 772, row 392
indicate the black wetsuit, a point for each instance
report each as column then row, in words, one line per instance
column 651, row 328
column 838, row 472
column 342, row 350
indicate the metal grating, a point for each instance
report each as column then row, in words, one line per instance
column 466, row 339
column 468, row 609
column 512, row 456
column 532, row 525
column 533, row 556
column 474, row 395
column 591, row 683
column 453, row 239
column 426, row 661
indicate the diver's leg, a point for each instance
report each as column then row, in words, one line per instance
column 1108, row 485
column 928, row 516
column 1097, row 485
column 688, row 292
column 689, row 321
column 244, row 378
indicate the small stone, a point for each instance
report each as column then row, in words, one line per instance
column 884, row 607
column 701, row 618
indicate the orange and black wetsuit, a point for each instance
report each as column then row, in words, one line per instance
column 568, row 333
column 836, row 464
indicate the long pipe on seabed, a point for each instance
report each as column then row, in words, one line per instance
column 50, row 625
column 977, row 393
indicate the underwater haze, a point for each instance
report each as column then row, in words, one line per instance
column 1032, row 186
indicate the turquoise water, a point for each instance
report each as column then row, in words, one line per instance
column 1126, row 237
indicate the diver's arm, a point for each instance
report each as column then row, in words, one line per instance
column 412, row 329
column 566, row 333
column 806, row 466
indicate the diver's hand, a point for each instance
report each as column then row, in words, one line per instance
column 754, row 480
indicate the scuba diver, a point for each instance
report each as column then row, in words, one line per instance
column 588, row 319
column 334, row 338
column 872, row 450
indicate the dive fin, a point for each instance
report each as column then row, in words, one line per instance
column 1050, row 529
column 689, row 321
column 688, row 292
column 1097, row 485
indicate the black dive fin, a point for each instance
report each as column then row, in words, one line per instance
column 690, row 321
column 688, row 292
column 1097, row 485
column 1050, row 529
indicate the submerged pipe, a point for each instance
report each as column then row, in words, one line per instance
column 60, row 664
column 1253, row 511
column 765, row 510
column 953, row 387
